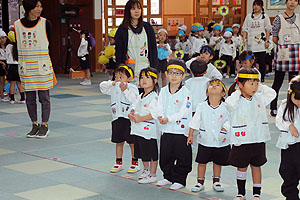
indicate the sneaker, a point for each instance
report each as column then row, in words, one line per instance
column 144, row 174
column 218, row 187
column 198, row 187
column 12, row 102
column 34, row 131
column 164, row 182
column 4, row 99
column 86, row 82
column 133, row 169
column 21, row 102
column 116, row 168
column 232, row 75
column 43, row 131
column 226, row 76
column 239, row 197
column 148, row 179
column 176, row 186
column 273, row 113
column 256, row 197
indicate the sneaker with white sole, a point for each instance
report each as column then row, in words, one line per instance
column 239, row 197
column 21, row 102
column 43, row 131
column 148, row 179
column 176, row 186
column 256, row 197
column 227, row 76
column 34, row 131
column 116, row 168
column 133, row 169
column 164, row 182
column 198, row 187
column 4, row 99
column 144, row 174
column 218, row 187
column 86, row 82
column 12, row 102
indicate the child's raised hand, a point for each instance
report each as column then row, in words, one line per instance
column 114, row 83
column 294, row 131
column 189, row 140
column 164, row 120
column 123, row 86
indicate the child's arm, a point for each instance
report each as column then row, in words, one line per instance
column 194, row 124
column 214, row 72
column 267, row 93
column 189, row 62
column 183, row 112
column 106, row 86
column 231, row 102
column 167, row 47
column 212, row 42
column 177, row 46
column 196, row 46
column 152, row 112
column 131, row 93
column 234, row 52
column 190, row 137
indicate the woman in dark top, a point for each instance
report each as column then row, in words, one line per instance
column 33, row 35
column 135, row 39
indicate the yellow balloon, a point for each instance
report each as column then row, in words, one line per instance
column 103, row 59
column 109, row 51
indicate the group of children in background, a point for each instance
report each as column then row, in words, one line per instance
column 9, row 68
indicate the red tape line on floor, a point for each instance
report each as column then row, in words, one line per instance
column 74, row 165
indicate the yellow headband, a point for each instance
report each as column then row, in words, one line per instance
column 249, row 76
column 176, row 67
column 291, row 92
column 150, row 73
column 217, row 81
column 129, row 70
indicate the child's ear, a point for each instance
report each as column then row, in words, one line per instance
column 211, row 57
column 184, row 75
column 166, row 73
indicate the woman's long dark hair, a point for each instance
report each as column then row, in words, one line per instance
column 153, row 70
column 126, row 23
column 30, row 5
column 87, row 37
column 242, row 80
column 260, row 3
column 290, row 106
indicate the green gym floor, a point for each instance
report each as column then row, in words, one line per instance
column 74, row 161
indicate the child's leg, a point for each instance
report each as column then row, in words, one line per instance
column 201, row 173
column 12, row 90
column 153, row 167
column 21, row 90
column 228, row 70
column 1, row 86
column 87, row 73
column 256, row 178
column 216, row 172
column 163, row 79
column 241, row 180
column 167, row 157
column 119, row 150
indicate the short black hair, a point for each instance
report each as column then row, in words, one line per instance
column 247, row 55
column 124, row 70
column 177, row 62
column 30, row 5
column 208, row 49
column 198, row 67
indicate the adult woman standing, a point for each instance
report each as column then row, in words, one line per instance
column 33, row 34
column 286, row 35
column 135, row 39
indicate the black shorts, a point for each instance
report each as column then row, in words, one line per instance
column 145, row 149
column 2, row 71
column 121, row 131
column 12, row 72
column 85, row 63
column 162, row 65
column 186, row 57
column 245, row 154
column 216, row 155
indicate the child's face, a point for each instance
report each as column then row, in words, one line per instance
column 201, row 33
column 182, row 38
column 247, row 63
column 111, row 40
column 3, row 40
column 295, row 101
column 291, row 4
column 216, row 32
column 236, row 30
column 215, row 88
column 162, row 36
column 206, row 57
column 257, row 8
column 249, row 88
column 228, row 39
column 122, row 77
column 175, row 76
column 146, row 82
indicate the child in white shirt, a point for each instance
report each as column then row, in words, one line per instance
column 228, row 54
column 184, row 44
column 199, row 42
column 215, row 40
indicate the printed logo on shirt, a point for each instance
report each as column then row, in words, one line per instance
column 255, row 24
column 260, row 38
column 287, row 38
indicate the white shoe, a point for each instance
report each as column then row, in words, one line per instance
column 12, row 102
column 21, row 102
column 256, row 197
column 176, row 186
column 218, row 187
column 144, row 174
column 133, row 169
column 232, row 75
column 148, row 179
column 86, row 82
column 116, row 168
column 226, row 76
column 4, row 99
column 164, row 182
column 198, row 187
column 239, row 197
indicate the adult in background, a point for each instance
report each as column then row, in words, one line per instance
column 33, row 34
column 136, row 40
column 286, row 35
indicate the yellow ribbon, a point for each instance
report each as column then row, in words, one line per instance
column 176, row 67
column 129, row 70
column 150, row 74
column 217, row 81
column 291, row 92
column 249, row 76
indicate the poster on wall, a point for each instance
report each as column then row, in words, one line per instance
column 276, row 4
column 173, row 23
